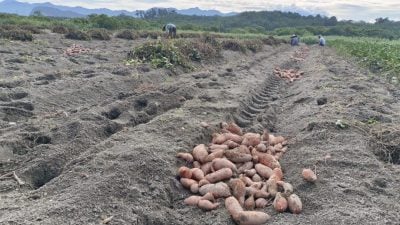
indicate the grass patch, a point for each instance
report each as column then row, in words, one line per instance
column 78, row 35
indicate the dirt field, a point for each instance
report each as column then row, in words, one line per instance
column 93, row 138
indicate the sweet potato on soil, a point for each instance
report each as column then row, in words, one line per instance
column 197, row 174
column 207, row 205
column 216, row 154
column 251, row 139
column 185, row 156
column 218, row 164
column 192, row 200
column 218, row 190
column 245, row 166
column 264, row 170
column 200, row 153
column 185, row 172
column 187, row 183
column 237, row 157
column 234, row 128
column 269, row 161
column 287, row 188
column 261, row 203
column 219, row 175
column 238, row 188
column 280, row 203
column 252, row 218
column 250, row 203
column 206, row 168
column 295, row 204
column 309, row 175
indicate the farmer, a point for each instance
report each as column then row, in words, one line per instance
column 294, row 40
column 321, row 40
column 170, row 29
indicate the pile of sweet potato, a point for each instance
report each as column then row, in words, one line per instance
column 301, row 54
column 290, row 74
column 76, row 50
column 244, row 169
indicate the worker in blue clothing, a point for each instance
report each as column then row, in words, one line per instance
column 170, row 29
column 294, row 40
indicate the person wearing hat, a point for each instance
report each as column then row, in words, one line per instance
column 170, row 29
column 294, row 40
column 321, row 40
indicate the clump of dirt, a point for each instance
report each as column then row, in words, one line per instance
column 385, row 143
column 128, row 34
column 99, row 34
column 78, row 35
column 16, row 34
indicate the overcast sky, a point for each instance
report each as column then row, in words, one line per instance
column 366, row 10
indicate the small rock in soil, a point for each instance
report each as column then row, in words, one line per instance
column 322, row 101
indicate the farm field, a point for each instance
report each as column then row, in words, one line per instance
column 93, row 127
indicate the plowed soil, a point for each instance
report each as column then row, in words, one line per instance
column 93, row 138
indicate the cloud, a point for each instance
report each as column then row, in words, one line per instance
column 343, row 9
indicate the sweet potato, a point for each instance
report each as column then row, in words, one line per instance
column 200, row 153
column 218, row 138
column 250, row 173
column 246, row 180
column 196, row 164
column 214, row 147
column 197, row 174
column 194, row 188
column 203, row 182
column 238, row 188
column 216, row 154
column 234, row 208
column 256, row 178
column 187, row 183
column 250, row 204
column 237, row 157
column 209, row 196
column 185, row 172
column 278, row 147
column 231, row 144
column 252, row 218
column 261, row 147
column 244, row 149
column 192, row 200
column 278, row 155
column 280, row 203
column 207, row 205
column 287, row 188
column 309, row 175
column 261, row 203
column 206, row 167
column 218, row 190
column 234, row 137
column 263, row 170
column 219, row 175
column 185, row 156
column 269, row 161
column 265, row 135
column 275, row 140
column 251, row 139
column 257, row 184
column 234, row 128
column 218, row 164
column 272, row 187
column 294, row 203
column 221, row 138
column 277, row 174
column 256, row 192
column 245, row 166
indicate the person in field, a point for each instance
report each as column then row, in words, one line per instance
column 294, row 40
column 321, row 40
column 170, row 29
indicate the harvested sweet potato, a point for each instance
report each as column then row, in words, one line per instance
column 246, row 180
column 209, row 196
column 272, row 187
column 256, row 192
column 256, row 178
column 192, row 200
column 234, row 128
column 197, row 174
column 185, row 156
column 237, row 157
column 277, row 174
column 207, row 205
column 185, row 172
column 187, row 182
column 219, row 190
column 250, row 203
column 200, row 153
column 206, row 167
column 203, row 182
column 216, row 154
column 309, row 175
column 275, row 140
column 280, row 203
column 238, row 188
column 261, row 203
column 245, row 166
column 251, row 139
column 196, row 164
column 263, row 170
column 250, row 173
column 294, row 203
column 287, row 188
column 231, row 144
column 221, row 138
column 218, row 164
column 194, row 188
column 244, row 149
column 214, row 147
column 234, row 208
column 252, row 218
column 269, row 161
column 219, row 175
column 261, row 147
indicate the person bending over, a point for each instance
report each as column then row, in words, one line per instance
column 170, row 29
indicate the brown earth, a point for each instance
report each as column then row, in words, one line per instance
column 93, row 138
